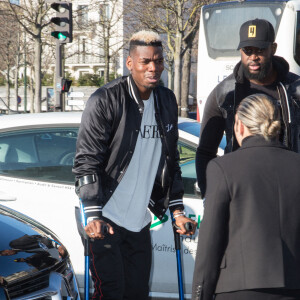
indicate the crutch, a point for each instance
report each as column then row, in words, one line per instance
column 86, row 256
column 188, row 226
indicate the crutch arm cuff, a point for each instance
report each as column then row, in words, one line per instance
column 87, row 179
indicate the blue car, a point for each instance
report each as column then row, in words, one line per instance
column 34, row 263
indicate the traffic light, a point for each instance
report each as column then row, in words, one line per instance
column 62, row 21
column 65, row 85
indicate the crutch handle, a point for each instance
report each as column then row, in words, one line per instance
column 189, row 226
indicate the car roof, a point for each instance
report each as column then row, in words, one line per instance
column 189, row 129
column 55, row 118
column 51, row 119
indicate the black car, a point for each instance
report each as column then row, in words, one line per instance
column 33, row 262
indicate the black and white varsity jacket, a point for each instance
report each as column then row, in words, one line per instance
column 106, row 141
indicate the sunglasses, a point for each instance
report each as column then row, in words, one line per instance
column 249, row 51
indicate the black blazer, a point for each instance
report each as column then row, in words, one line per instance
column 250, row 234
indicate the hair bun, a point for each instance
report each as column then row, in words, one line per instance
column 273, row 129
column 260, row 115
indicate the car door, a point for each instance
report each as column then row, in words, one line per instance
column 36, row 179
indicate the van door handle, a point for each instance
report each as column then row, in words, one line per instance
column 6, row 197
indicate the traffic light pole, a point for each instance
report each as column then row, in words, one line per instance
column 25, row 75
column 64, row 34
column 58, row 77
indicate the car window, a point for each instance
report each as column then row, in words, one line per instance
column 39, row 154
column 187, row 163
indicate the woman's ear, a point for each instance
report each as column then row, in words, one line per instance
column 241, row 127
column 239, row 130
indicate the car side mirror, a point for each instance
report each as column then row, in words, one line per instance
column 197, row 190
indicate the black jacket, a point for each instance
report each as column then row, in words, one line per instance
column 250, row 234
column 106, row 141
column 221, row 107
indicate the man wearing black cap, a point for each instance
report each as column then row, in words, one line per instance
column 259, row 71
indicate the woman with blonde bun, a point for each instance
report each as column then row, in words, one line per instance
column 260, row 116
column 249, row 238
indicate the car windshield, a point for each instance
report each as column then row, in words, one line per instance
column 39, row 154
column 194, row 129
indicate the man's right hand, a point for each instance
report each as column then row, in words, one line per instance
column 97, row 229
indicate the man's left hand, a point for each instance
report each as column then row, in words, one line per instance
column 180, row 221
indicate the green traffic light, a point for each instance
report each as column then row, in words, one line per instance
column 59, row 35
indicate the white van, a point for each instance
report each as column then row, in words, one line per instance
column 219, row 38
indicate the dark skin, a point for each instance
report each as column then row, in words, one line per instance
column 255, row 62
column 145, row 64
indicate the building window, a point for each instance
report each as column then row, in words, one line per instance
column 82, row 16
column 104, row 11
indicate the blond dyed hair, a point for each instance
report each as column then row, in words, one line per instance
column 260, row 115
column 144, row 38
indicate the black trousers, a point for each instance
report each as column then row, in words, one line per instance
column 120, row 264
column 261, row 294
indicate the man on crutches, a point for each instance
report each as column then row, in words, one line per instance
column 126, row 162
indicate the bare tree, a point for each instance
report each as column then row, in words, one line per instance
column 32, row 17
column 8, row 46
column 192, row 29
column 177, row 19
column 110, row 17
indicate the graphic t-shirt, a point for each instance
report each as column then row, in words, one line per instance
column 128, row 206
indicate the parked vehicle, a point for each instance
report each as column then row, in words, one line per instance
column 34, row 263
column 219, row 37
column 36, row 158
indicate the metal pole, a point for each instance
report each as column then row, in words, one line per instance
column 58, row 73
column 63, row 103
column 25, row 75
